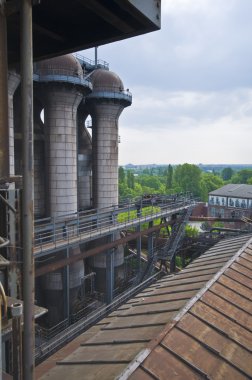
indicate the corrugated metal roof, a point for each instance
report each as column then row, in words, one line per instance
column 110, row 346
column 234, row 190
column 213, row 337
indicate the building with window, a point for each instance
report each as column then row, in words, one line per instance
column 231, row 201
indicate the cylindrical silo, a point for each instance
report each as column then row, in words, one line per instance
column 105, row 105
column 62, row 85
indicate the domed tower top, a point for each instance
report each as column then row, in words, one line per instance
column 63, row 65
column 108, row 85
column 65, row 68
column 106, row 80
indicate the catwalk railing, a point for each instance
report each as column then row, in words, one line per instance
column 63, row 231
column 67, row 334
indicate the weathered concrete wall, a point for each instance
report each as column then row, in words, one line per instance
column 61, row 104
column 105, row 153
column 84, row 163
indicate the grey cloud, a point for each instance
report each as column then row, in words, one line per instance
column 207, row 49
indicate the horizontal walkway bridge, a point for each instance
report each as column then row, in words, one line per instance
column 52, row 234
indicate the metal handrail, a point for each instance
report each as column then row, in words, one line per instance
column 44, row 349
column 100, row 62
column 88, row 225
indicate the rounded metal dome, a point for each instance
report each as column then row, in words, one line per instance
column 66, row 65
column 105, row 80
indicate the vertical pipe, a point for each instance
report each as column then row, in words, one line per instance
column 17, row 311
column 3, row 302
column 28, row 186
column 4, row 130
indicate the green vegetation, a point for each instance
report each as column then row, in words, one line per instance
column 191, row 231
column 198, row 180
column 127, row 216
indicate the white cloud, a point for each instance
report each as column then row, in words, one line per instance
column 191, row 82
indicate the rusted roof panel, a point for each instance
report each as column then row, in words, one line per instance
column 212, row 336
column 239, row 277
column 223, row 346
column 220, row 312
column 222, row 323
column 198, row 356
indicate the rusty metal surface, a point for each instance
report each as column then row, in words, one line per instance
column 213, row 338
column 120, row 336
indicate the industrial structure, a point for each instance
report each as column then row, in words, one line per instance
column 63, row 231
column 194, row 324
column 43, row 172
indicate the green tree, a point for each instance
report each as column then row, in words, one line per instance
column 121, row 174
column 169, row 177
column 209, row 182
column 227, row 173
column 150, row 181
column 130, row 179
column 187, row 177
column 242, row 176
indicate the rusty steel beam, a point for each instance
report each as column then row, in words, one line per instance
column 95, row 251
column 212, row 219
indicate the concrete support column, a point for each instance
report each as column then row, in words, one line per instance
column 13, row 82
column 61, row 148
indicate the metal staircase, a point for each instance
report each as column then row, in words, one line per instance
column 168, row 251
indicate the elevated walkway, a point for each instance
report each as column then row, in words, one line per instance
column 52, row 234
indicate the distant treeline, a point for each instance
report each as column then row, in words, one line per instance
column 196, row 179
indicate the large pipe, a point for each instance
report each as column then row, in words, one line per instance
column 17, row 311
column 4, row 130
column 28, row 186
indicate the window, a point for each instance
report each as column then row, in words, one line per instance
column 237, row 203
column 212, row 211
column 243, row 203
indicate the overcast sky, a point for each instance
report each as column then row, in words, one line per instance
column 191, row 84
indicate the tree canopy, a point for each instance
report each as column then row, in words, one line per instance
column 175, row 179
